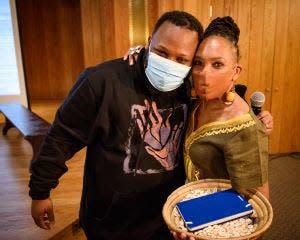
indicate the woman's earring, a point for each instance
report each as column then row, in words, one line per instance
column 229, row 96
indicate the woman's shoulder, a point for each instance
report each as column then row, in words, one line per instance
column 239, row 107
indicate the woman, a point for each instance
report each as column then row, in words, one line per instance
column 224, row 139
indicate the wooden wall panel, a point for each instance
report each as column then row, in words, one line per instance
column 52, row 46
column 168, row 5
column 255, row 47
column 292, row 99
column 203, row 11
column 152, row 14
column 285, row 94
column 191, row 6
column 98, row 31
column 231, row 7
column 105, row 25
column 279, row 71
column 267, row 54
column 218, row 8
column 121, row 9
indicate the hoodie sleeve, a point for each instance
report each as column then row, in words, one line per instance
column 72, row 129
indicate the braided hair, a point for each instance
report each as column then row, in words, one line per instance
column 224, row 27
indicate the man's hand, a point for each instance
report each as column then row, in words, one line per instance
column 42, row 213
column 267, row 120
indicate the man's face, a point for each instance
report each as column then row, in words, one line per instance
column 174, row 43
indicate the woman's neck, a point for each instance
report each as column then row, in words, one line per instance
column 213, row 105
column 216, row 110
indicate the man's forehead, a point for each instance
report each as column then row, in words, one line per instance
column 170, row 35
column 168, row 27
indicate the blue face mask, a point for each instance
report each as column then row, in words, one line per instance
column 165, row 75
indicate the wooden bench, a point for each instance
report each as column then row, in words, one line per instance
column 30, row 125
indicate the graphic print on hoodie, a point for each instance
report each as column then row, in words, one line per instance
column 157, row 137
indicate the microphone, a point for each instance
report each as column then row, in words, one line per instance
column 257, row 100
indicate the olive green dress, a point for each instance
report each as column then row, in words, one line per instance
column 235, row 149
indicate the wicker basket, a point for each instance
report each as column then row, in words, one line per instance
column 260, row 204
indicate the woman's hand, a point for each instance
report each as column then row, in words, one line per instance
column 132, row 54
column 267, row 120
column 181, row 236
column 264, row 189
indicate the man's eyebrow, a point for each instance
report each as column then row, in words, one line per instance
column 163, row 48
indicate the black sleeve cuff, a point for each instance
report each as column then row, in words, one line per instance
column 39, row 196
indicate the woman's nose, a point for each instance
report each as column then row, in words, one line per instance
column 203, row 81
column 202, row 71
column 203, row 77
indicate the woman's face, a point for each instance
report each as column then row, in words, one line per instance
column 215, row 67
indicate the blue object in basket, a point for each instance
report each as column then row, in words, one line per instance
column 214, row 208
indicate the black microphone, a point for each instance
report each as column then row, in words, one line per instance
column 257, row 100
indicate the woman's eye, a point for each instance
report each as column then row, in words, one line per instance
column 197, row 63
column 217, row 64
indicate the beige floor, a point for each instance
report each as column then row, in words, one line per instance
column 15, row 218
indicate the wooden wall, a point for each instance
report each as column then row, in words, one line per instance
column 105, row 25
column 62, row 37
column 51, row 41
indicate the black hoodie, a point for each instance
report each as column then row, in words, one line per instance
column 133, row 135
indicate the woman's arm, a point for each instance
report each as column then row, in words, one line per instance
column 132, row 54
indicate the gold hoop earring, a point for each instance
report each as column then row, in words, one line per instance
column 229, row 96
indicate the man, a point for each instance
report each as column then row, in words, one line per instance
column 132, row 120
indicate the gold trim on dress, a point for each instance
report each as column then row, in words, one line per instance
column 214, row 128
column 220, row 127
